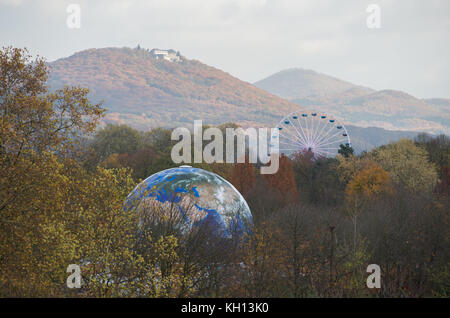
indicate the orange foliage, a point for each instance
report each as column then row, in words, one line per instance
column 116, row 160
column 369, row 181
column 283, row 181
column 243, row 177
column 164, row 91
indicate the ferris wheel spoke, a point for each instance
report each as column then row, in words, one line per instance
column 291, row 143
column 311, row 129
column 328, row 148
column 327, row 141
column 290, row 149
column 288, row 129
column 307, row 129
column 324, row 136
column 328, row 135
column 315, row 129
column 311, row 133
column 298, row 132
column 348, row 136
column 324, row 152
column 290, row 137
column 320, row 132
column 331, row 137
column 285, row 144
column 303, row 132
column 331, row 143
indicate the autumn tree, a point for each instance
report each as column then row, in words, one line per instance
column 365, row 184
column 317, row 180
column 345, row 150
column 368, row 182
column 56, row 211
column 444, row 184
column 296, row 242
column 159, row 138
column 118, row 139
column 407, row 164
column 37, row 133
column 104, row 232
column 347, row 167
column 243, row 176
column 262, row 260
column 407, row 235
column 35, row 121
column 53, row 212
column 302, row 164
column 283, row 180
column 438, row 149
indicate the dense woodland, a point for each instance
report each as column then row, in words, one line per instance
column 318, row 224
column 142, row 91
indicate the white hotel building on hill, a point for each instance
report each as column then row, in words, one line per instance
column 168, row 55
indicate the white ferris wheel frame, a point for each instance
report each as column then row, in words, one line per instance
column 315, row 138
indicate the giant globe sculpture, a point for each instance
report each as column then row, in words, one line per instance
column 197, row 197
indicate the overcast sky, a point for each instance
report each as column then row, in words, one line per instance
column 252, row 39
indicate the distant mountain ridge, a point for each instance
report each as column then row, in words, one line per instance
column 145, row 92
column 442, row 103
column 359, row 105
column 297, row 84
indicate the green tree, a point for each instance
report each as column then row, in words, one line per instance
column 160, row 139
column 118, row 139
column 364, row 186
column 438, row 149
column 345, row 150
column 53, row 212
column 407, row 164
column 35, row 121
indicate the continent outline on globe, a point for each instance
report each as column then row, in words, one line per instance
column 201, row 197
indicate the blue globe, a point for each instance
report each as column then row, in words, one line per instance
column 199, row 197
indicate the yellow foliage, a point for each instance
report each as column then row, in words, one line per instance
column 407, row 164
column 370, row 181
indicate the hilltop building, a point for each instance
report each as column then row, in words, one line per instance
column 168, row 55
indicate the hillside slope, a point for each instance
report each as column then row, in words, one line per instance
column 145, row 92
column 359, row 105
column 301, row 84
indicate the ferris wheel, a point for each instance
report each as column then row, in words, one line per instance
column 309, row 131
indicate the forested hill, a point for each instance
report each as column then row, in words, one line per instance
column 145, row 92
column 362, row 106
